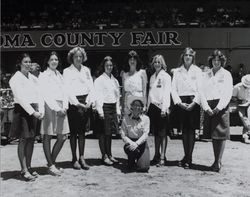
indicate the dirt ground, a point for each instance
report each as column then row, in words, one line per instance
column 100, row 180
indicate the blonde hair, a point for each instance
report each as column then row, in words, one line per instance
column 162, row 61
column 192, row 52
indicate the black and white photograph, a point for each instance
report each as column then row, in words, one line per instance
column 125, row 98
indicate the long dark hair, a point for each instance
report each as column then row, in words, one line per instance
column 135, row 55
column 19, row 60
column 46, row 65
column 101, row 68
column 217, row 53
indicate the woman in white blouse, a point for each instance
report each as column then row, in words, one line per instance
column 55, row 121
column 134, row 133
column 158, row 108
column 216, row 93
column 28, row 108
column 185, row 95
column 80, row 87
column 134, row 80
column 108, row 107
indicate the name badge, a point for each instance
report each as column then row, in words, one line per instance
column 159, row 83
column 193, row 77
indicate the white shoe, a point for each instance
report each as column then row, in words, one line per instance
column 61, row 170
column 52, row 170
column 246, row 138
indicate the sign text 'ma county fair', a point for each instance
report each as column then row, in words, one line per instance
column 39, row 40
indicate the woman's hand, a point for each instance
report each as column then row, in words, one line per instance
column 163, row 114
column 80, row 105
column 216, row 111
column 190, row 106
column 37, row 115
column 101, row 116
column 61, row 113
column 183, row 105
column 209, row 112
column 133, row 146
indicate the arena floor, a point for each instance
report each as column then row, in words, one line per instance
column 170, row 180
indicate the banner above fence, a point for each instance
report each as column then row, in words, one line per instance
column 41, row 40
column 125, row 39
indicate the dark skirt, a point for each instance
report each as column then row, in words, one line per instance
column 189, row 120
column 140, row 156
column 174, row 116
column 109, row 125
column 217, row 126
column 78, row 117
column 159, row 125
column 23, row 125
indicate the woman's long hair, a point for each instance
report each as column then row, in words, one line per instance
column 20, row 59
column 163, row 63
column 101, row 68
column 132, row 54
column 46, row 65
column 217, row 53
column 192, row 52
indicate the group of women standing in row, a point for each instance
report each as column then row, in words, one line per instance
column 47, row 97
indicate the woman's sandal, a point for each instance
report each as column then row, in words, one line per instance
column 162, row 162
column 155, row 161
column 182, row 162
column 26, row 176
column 216, row 168
column 83, row 164
column 33, row 173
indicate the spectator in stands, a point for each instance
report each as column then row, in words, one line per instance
column 158, row 108
column 28, row 108
column 134, row 80
column 5, row 77
column 80, row 86
column 55, row 121
column 122, row 15
column 108, row 107
column 185, row 95
column 216, row 92
column 134, row 133
column 241, row 94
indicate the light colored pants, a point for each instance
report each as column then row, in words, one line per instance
column 244, row 113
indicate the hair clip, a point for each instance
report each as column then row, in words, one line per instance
column 108, row 58
column 132, row 53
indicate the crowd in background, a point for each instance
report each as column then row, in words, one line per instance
column 81, row 14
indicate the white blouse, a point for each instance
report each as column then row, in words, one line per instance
column 160, row 90
column 134, row 83
column 53, row 89
column 107, row 90
column 78, row 83
column 186, row 83
column 217, row 86
column 26, row 91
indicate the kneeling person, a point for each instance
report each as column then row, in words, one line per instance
column 134, row 132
